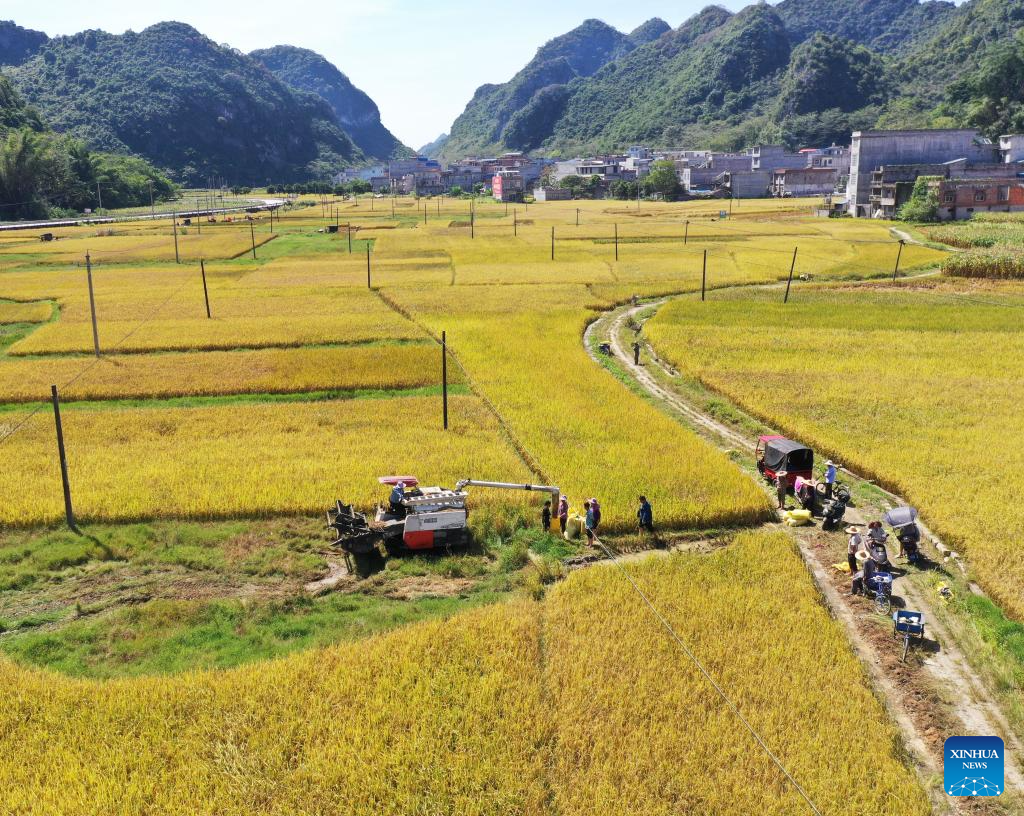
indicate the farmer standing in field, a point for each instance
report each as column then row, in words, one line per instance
column 595, row 508
column 636, row 352
column 645, row 516
column 563, row 513
column 589, row 521
column 830, row 478
column 781, row 488
column 545, row 517
column 853, row 547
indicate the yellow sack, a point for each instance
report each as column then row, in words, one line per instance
column 797, row 518
column 574, row 526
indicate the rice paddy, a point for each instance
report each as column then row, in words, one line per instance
column 913, row 385
column 577, row 704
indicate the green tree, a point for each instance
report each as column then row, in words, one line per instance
column 924, row 202
column 663, row 180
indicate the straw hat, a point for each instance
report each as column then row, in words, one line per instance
column 853, row 528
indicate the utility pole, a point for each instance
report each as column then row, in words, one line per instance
column 69, row 511
column 368, row 286
column 899, row 253
column 704, row 277
column 472, row 222
column 92, row 304
column 790, row 281
column 444, row 376
column 515, row 222
column 206, row 294
column 349, row 227
column 686, row 235
column 152, row 206
column 252, row 234
column 99, row 196
column 174, row 221
column 616, row 242
column 577, row 216
column 552, row 243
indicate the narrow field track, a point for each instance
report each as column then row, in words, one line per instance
column 969, row 700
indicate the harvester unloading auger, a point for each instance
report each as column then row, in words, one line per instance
column 423, row 519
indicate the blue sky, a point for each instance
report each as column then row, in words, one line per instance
column 420, row 60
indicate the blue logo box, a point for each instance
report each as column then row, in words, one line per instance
column 973, row 766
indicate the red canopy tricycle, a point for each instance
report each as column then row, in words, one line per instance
column 776, row 454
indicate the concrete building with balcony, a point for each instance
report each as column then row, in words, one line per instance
column 507, row 185
column 871, row 150
column 892, row 185
column 961, row 198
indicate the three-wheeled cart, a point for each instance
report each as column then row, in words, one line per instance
column 909, row 624
column 775, row 454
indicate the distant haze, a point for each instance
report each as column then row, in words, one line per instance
column 420, row 62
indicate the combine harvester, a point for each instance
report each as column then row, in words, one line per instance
column 427, row 519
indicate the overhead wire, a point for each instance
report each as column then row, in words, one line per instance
column 707, row 675
column 92, row 363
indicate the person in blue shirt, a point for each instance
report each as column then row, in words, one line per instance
column 589, row 521
column 830, row 478
column 397, row 495
column 645, row 515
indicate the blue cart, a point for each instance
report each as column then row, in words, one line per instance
column 909, row 624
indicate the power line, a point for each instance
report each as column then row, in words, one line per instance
column 721, row 692
column 89, row 367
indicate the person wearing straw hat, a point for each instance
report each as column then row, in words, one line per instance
column 830, row 478
column 854, row 545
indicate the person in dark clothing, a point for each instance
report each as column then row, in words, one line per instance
column 782, row 488
column 563, row 513
column 862, row 580
column 636, row 352
column 545, row 516
column 645, row 515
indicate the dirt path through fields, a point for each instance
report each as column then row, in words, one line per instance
column 932, row 697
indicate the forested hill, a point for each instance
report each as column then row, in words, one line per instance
column 306, row 70
column 43, row 173
column 799, row 72
column 18, row 44
column 187, row 104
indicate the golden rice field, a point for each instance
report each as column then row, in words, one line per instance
column 300, row 318
column 221, row 373
column 34, row 312
column 461, row 715
column 152, row 244
column 247, row 459
column 579, row 426
column 916, row 386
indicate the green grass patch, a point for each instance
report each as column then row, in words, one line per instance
column 166, row 637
